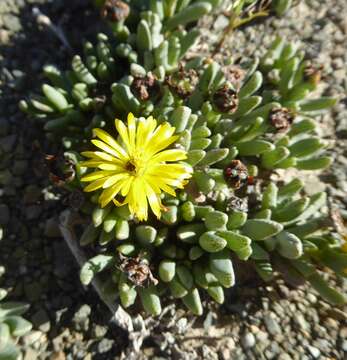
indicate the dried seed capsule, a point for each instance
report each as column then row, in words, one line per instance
column 236, row 174
column 281, row 118
column 313, row 73
column 182, row 82
column 145, row 87
column 234, row 74
column 225, row 99
column 115, row 10
column 237, row 204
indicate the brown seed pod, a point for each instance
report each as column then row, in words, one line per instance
column 236, row 174
column 145, row 87
column 115, row 10
column 182, row 82
column 234, row 74
column 137, row 270
column 281, row 118
column 61, row 170
column 236, row 203
column 313, row 73
column 225, row 99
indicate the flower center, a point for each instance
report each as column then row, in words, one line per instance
column 130, row 166
column 135, row 166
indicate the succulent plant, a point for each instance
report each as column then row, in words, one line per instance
column 226, row 126
column 12, row 326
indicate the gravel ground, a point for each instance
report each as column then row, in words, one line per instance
column 257, row 322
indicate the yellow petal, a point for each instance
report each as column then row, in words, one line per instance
column 169, row 155
column 161, row 139
column 109, row 194
column 95, row 175
column 101, row 145
column 89, row 154
column 123, row 132
column 127, row 185
column 153, row 200
column 109, row 140
column 145, row 129
column 97, row 184
column 90, row 163
column 137, row 200
column 110, row 166
column 132, row 130
column 111, row 180
column 159, row 183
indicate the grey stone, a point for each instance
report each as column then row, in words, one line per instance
column 284, row 356
column 248, row 340
column 32, row 337
column 52, row 228
column 81, row 318
column 99, row 331
column 272, row 325
column 33, row 291
column 32, row 212
column 314, row 351
column 41, row 321
column 300, row 321
column 30, row 354
column 7, row 143
column 19, row 167
column 4, row 214
column 104, row 346
column 11, row 22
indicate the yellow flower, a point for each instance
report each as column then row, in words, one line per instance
column 136, row 168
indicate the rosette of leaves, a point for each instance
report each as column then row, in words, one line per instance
column 12, row 327
column 305, row 243
column 229, row 121
column 86, row 96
